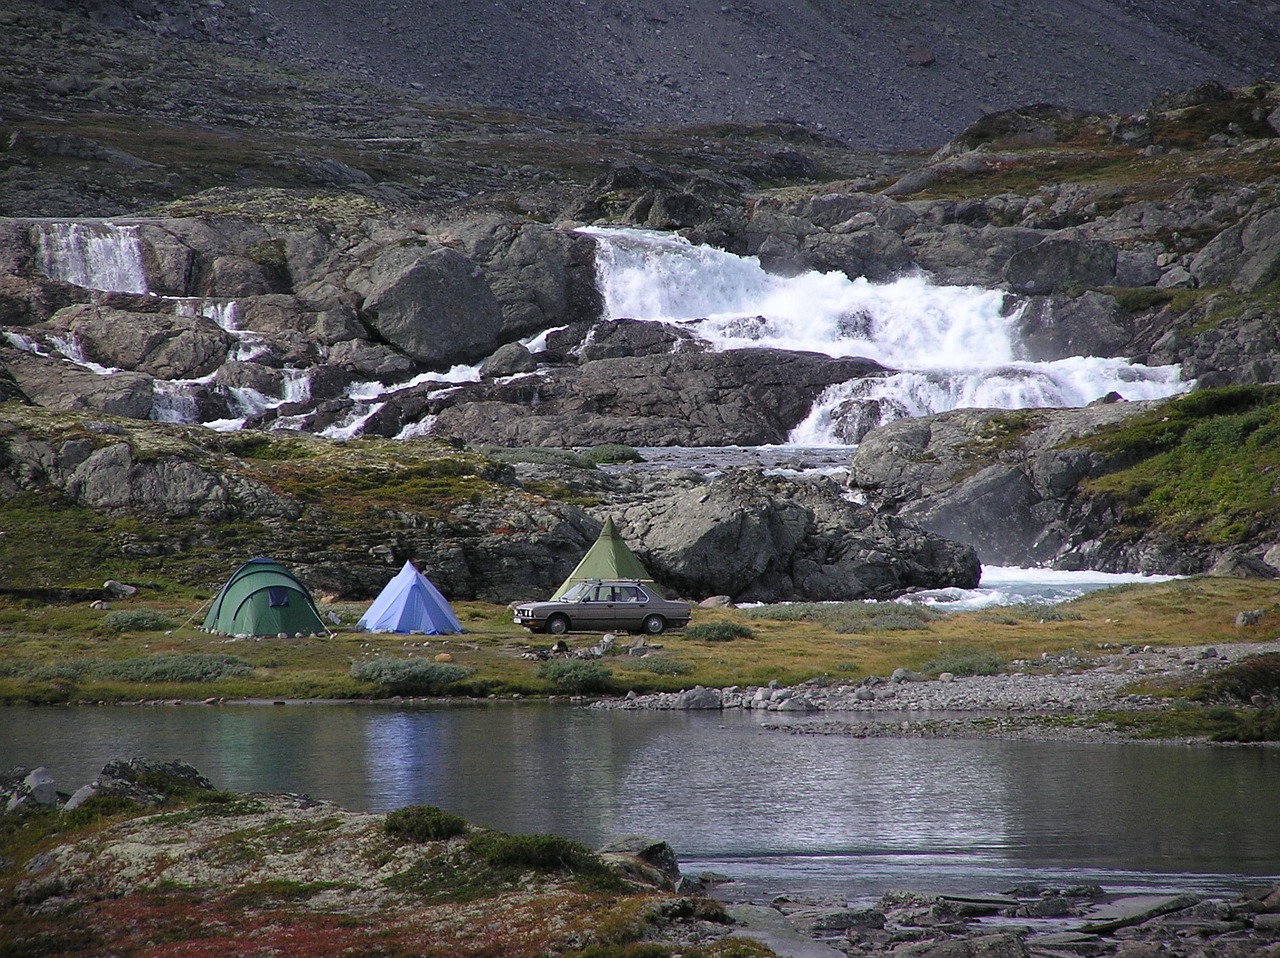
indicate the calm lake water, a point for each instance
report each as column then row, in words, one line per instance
column 775, row 811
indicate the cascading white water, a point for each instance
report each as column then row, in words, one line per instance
column 70, row 348
column 173, row 400
column 954, row 346
column 99, row 256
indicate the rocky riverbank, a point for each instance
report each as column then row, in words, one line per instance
column 1054, row 696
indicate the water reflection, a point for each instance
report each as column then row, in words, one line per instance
column 766, row 806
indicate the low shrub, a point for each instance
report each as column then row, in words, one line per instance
column 409, row 676
column 1257, row 675
column 423, row 823
column 965, row 662
column 719, row 631
column 850, row 617
column 137, row 620
column 544, row 853
column 574, row 677
column 196, row 667
column 660, row 665
column 1260, row 726
column 613, row 452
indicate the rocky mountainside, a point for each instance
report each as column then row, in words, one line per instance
column 884, row 73
column 291, row 249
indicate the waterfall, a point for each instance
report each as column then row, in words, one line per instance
column 354, row 422
column 952, row 346
column 172, row 401
column 99, row 256
column 71, row 350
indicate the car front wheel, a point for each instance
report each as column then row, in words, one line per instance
column 655, row 625
column 557, row 625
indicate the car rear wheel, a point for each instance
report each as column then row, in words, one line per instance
column 558, row 625
column 655, row 625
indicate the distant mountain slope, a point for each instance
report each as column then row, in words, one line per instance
column 880, row 73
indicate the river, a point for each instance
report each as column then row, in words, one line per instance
column 774, row 811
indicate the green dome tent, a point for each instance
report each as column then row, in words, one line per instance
column 262, row 598
column 608, row 558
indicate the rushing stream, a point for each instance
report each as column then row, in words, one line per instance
column 953, row 346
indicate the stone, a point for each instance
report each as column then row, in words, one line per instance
column 716, row 602
column 1058, row 264
column 433, row 305
column 80, row 796
column 42, row 788
column 655, row 855
column 698, row 699
column 509, row 360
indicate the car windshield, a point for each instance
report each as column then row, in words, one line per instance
column 578, row 592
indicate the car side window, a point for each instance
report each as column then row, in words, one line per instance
column 629, row 593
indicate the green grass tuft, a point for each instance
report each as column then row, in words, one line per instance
column 574, row 676
column 409, row 676
column 424, row 823
column 137, row 620
column 719, row 632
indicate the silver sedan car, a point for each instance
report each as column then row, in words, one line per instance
column 604, row 607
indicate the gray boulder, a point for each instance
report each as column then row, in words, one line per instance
column 960, row 254
column 651, row 859
column 433, row 305
column 764, row 538
column 542, row 277
column 1058, row 264
column 878, row 254
column 37, row 787
column 149, row 782
column 698, row 699
column 509, row 360
column 1245, row 256
column 160, row 344
column 1057, row 327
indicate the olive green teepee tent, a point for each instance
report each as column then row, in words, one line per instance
column 608, row 558
column 262, row 598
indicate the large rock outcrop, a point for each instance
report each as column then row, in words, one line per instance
column 1015, row 485
column 767, row 539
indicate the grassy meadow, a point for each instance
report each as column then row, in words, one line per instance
column 149, row 648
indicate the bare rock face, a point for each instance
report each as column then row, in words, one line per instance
column 747, row 397
column 60, row 385
column 1245, row 256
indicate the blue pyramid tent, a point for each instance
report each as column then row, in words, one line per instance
column 410, row 603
